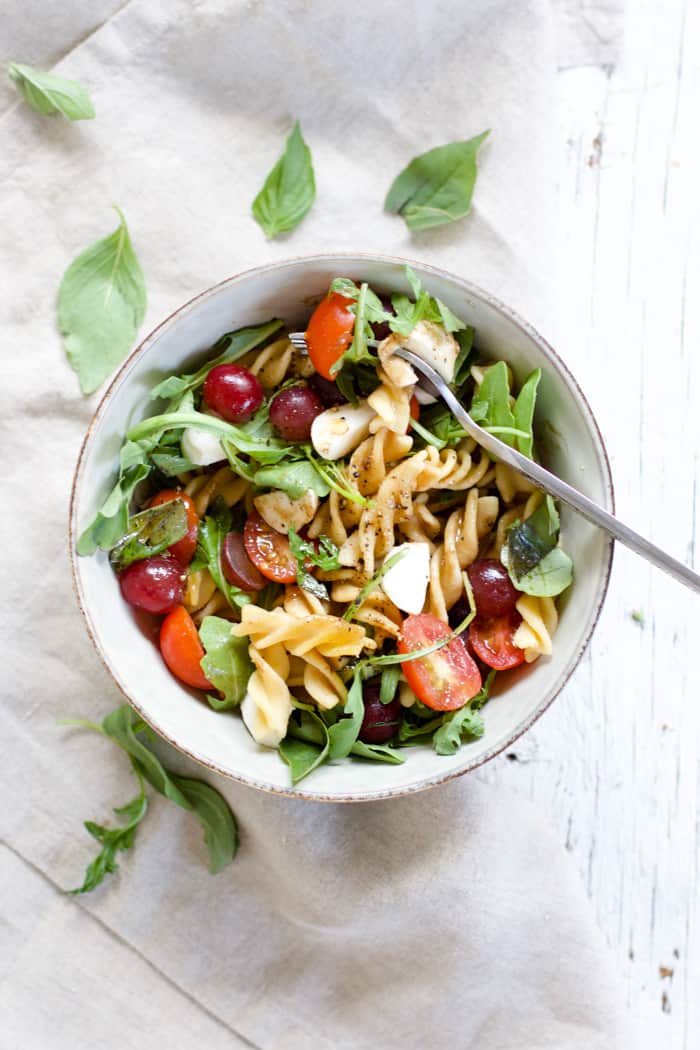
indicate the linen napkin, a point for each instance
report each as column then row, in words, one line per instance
column 448, row 919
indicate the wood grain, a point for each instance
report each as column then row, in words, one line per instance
column 616, row 760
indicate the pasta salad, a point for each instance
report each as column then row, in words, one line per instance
column 331, row 555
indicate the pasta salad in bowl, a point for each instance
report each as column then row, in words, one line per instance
column 341, row 584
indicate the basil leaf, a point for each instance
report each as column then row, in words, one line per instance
column 101, row 303
column 344, row 733
column 48, row 94
column 230, row 348
column 524, row 411
column 378, row 752
column 218, row 822
column 306, row 744
column 552, row 575
column 437, row 186
column 226, row 662
column 150, row 532
column 289, row 190
column 535, row 563
column 448, row 738
column 210, row 539
column 293, row 478
column 112, row 840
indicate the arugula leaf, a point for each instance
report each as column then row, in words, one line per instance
column 372, row 584
column 226, row 662
column 344, row 733
column 358, row 380
column 465, row 338
column 437, row 186
column 389, row 684
column 373, row 309
column 332, row 473
column 491, row 402
column 535, row 563
column 230, row 348
column 425, row 308
column 220, row 832
column 256, row 438
column 448, row 738
column 289, row 190
column 48, row 94
column 293, row 478
column 113, row 840
column 438, row 426
column 150, row 532
column 378, row 752
column 101, row 303
column 111, row 520
column 359, row 351
column 213, row 529
column 306, row 744
column 524, row 411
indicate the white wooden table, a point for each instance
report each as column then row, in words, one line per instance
column 616, row 759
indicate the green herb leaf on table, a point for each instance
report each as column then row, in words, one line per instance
column 48, row 94
column 289, row 190
column 226, row 662
column 124, row 727
column 229, row 349
column 150, row 532
column 437, row 186
column 113, row 840
column 101, row 303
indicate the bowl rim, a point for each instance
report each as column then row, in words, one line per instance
column 293, row 262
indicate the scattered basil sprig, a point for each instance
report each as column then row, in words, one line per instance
column 150, row 532
column 101, row 303
column 289, row 190
column 437, row 186
column 48, row 94
column 126, row 729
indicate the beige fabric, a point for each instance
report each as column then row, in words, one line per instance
column 450, row 919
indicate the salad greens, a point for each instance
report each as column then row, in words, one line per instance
column 289, row 190
column 437, row 186
column 226, row 662
column 48, row 94
column 213, row 529
column 535, row 563
column 101, row 303
column 126, row 729
column 150, row 532
column 305, row 552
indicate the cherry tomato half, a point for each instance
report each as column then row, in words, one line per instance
column 184, row 549
column 269, row 550
column 492, row 640
column 181, row 648
column 446, row 679
column 329, row 333
column 414, row 407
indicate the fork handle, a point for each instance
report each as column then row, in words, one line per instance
column 543, row 479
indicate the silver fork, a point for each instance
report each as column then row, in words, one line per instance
column 434, row 384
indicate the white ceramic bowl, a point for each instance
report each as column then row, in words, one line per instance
column 570, row 443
